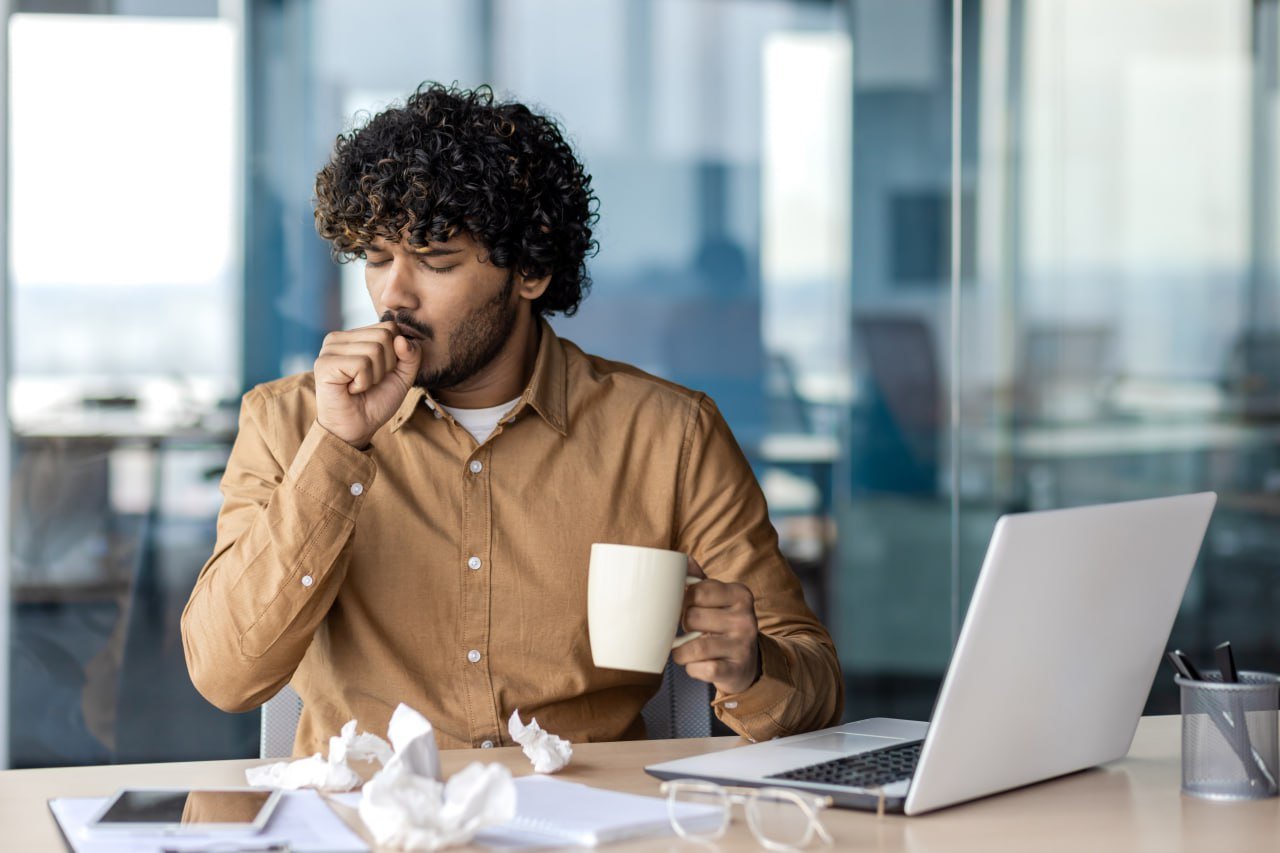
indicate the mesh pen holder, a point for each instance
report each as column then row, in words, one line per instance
column 1229, row 736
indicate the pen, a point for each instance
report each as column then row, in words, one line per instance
column 1227, row 670
column 1230, row 675
column 1226, row 663
column 1185, row 667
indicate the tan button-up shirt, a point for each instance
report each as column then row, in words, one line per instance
column 409, row 573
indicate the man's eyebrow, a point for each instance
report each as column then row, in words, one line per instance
column 433, row 253
column 428, row 252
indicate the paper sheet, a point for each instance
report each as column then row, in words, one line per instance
column 553, row 813
column 302, row 820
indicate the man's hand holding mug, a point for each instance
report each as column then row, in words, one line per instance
column 727, row 654
column 635, row 599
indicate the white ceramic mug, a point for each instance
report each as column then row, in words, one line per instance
column 634, row 599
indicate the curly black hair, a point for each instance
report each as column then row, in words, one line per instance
column 453, row 160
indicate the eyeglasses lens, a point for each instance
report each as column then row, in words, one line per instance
column 689, row 812
column 779, row 819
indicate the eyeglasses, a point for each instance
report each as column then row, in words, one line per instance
column 779, row 818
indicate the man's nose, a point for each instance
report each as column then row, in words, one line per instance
column 398, row 290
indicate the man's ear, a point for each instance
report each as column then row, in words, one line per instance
column 531, row 288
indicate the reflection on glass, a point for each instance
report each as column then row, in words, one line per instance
column 1117, row 304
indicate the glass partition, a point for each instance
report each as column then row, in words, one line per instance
column 1120, row 323
column 922, row 300
column 1102, row 331
column 893, row 507
column 123, row 292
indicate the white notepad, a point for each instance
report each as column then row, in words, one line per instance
column 550, row 810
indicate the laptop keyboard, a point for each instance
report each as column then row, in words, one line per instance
column 863, row 770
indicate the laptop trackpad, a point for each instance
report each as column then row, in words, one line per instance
column 844, row 743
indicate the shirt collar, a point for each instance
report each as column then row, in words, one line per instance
column 547, row 392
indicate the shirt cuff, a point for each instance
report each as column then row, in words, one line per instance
column 332, row 472
column 756, row 713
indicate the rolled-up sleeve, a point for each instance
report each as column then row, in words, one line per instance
column 277, row 563
column 724, row 523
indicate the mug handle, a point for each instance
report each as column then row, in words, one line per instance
column 692, row 635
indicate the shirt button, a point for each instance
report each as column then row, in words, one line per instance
column 473, row 656
column 476, row 466
column 730, row 705
column 357, row 489
column 307, row 581
column 474, row 563
column 488, row 744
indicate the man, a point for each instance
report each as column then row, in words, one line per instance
column 412, row 521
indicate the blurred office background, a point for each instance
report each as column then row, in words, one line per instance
column 921, row 299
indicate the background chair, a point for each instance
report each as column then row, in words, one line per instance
column 681, row 708
column 897, row 429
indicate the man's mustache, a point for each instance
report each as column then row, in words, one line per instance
column 404, row 318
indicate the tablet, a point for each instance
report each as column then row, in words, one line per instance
column 180, row 810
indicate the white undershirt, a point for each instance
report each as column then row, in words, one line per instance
column 480, row 422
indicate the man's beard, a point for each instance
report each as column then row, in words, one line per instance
column 475, row 342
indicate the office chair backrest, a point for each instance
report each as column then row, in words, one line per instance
column 903, row 363
column 280, row 717
column 681, row 708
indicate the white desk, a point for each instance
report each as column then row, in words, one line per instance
column 1130, row 805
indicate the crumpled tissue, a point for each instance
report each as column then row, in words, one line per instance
column 332, row 774
column 405, row 806
column 548, row 752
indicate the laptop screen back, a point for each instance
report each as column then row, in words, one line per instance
column 1061, row 642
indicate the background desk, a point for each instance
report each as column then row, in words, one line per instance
column 1130, row 805
column 113, row 516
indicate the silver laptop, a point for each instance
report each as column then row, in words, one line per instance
column 1058, row 650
